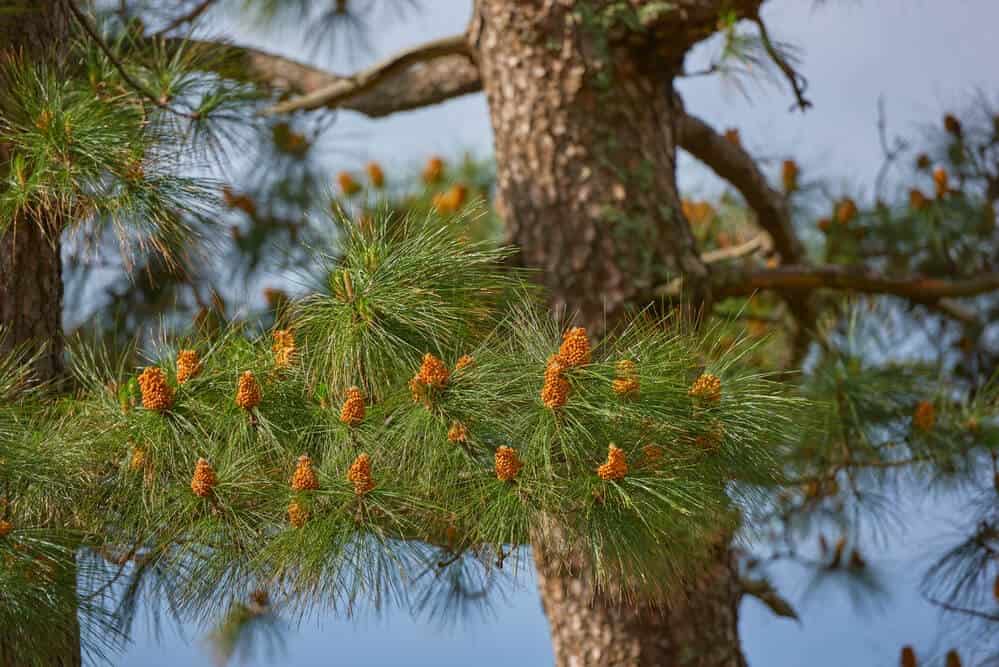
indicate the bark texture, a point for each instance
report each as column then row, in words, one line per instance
column 593, row 629
column 585, row 126
column 31, row 287
column 30, row 263
column 585, row 139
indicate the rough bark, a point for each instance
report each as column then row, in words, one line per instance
column 585, row 139
column 31, row 271
column 585, row 134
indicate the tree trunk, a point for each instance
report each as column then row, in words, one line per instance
column 31, row 287
column 585, row 143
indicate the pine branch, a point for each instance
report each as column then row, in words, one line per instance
column 796, row 278
column 797, row 81
column 187, row 17
column 367, row 80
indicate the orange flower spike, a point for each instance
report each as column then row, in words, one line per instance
column 188, row 365
column 283, row 348
column 458, row 432
column 789, row 176
column 616, row 466
column 204, row 481
column 352, row 411
column 433, row 372
column 305, row 478
column 707, row 387
column 359, row 475
column 247, row 391
column 298, row 515
column 348, row 186
column 375, row 175
column 464, row 361
column 555, row 391
column 507, row 464
column 5, row 528
column 156, row 393
column 575, row 348
column 433, row 172
column 940, row 181
column 924, row 417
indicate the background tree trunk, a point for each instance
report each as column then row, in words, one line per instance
column 31, row 286
column 585, row 142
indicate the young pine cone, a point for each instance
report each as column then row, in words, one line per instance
column 360, row 475
column 464, row 361
column 616, row 466
column 924, row 417
column 507, row 463
column 188, row 365
column 555, row 391
column 352, row 411
column 156, row 393
column 305, row 478
column 283, row 348
column 298, row 515
column 204, row 479
column 247, row 391
column 707, row 388
column 5, row 528
column 575, row 348
column 458, row 432
column 626, row 382
column 433, row 372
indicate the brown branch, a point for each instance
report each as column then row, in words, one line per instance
column 797, row 81
column 732, row 163
column 918, row 289
column 417, row 86
column 367, row 80
column 187, row 17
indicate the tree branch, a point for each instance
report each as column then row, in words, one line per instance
column 187, row 17
column 736, row 166
column 797, row 81
column 367, row 80
column 918, row 289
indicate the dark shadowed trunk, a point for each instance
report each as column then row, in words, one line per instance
column 30, row 268
column 585, row 134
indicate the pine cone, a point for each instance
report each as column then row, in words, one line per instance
column 304, row 478
column 156, row 393
column 298, row 515
column 247, row 391
column 924, row 417
column 458, row 432
column 433, row 372
column 575, row 348
column 616, row 466
column 707, row 388
column 204, row 480
column 507, row 463
column 360, row 475
column 352, row 411
column 283, row 348
column 188, row 365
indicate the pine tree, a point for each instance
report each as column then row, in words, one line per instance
column 594, row 462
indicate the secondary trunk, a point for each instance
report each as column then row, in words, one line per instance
column 586, row 155
column 31, row 286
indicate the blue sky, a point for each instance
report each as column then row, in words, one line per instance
column 924, row 57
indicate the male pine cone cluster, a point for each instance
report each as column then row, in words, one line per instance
column 247, row 391
column 352, row 410
column 574, row 351
column 359, row 475
column 616, row 466
column 458, row 432
column 204, row 480
column 707, row 388
column 188, row 365
column 297, row 514
column 507, row 463
column 924, row 417
column 156, row 393
column 283, row 348
column 626, row 382
column 304, row 478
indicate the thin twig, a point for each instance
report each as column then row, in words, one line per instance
column 91, row 30
column 797, row 81
column 192, row 15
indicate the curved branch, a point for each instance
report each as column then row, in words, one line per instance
column 918, row 289
column 732, row 163
column 797, row 81
column 366, row 80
